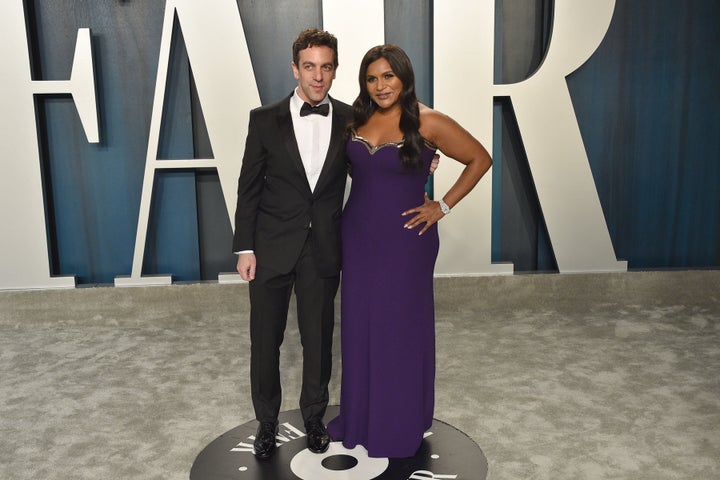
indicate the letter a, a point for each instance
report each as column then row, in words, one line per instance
column 223, row 74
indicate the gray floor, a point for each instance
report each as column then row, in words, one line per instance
column 608, row 376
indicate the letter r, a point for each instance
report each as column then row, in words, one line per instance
column 546, row 119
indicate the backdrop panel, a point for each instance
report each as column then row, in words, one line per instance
column 647, row 104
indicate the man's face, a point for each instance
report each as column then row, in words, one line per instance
column 315, row 73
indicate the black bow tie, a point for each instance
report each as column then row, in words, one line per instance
column 322, row 109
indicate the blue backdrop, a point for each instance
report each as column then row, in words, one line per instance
column 649, row 111
column 647, row 104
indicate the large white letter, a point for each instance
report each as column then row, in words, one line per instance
column 223, row 74
column 357, row 30
column 24, row 261
column 463, row 65
column 551, row 136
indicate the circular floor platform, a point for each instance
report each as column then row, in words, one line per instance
column 445, row 453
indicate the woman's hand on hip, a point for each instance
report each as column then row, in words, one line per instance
column 428, row 213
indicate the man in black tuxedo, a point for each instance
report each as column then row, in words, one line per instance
column 287, row 234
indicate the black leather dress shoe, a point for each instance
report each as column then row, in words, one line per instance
column 318, row 439
column 264, row 443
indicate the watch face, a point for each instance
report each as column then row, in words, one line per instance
column 445, row 452
column 444, row 207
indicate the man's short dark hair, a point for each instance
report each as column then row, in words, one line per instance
column 312, row 37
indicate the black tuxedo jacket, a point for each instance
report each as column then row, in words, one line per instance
column 275, row 205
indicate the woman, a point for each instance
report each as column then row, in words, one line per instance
column 389, row 249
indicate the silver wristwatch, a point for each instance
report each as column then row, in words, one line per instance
column 444, row 207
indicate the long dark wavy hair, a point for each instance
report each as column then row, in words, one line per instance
column 364, row 107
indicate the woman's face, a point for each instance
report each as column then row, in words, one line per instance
column 383, row 86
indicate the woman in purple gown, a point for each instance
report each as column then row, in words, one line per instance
column 390, row 243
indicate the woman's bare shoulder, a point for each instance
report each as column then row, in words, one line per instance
column 434, row 122
column 428, row 114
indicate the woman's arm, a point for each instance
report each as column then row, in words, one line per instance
column 457, row 143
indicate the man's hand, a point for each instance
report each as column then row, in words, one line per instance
column 434, row 164
column 246, row 266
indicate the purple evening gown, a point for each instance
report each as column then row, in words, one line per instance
column 388, row 318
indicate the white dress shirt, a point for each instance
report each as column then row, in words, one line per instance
column 312, row 133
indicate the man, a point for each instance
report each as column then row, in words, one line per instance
column 287, row 233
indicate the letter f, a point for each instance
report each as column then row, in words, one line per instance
column 25, row 260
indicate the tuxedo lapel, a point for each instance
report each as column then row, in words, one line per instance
column 336, row 144
column 287, row 134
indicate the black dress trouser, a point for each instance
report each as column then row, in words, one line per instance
column 270, row 294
